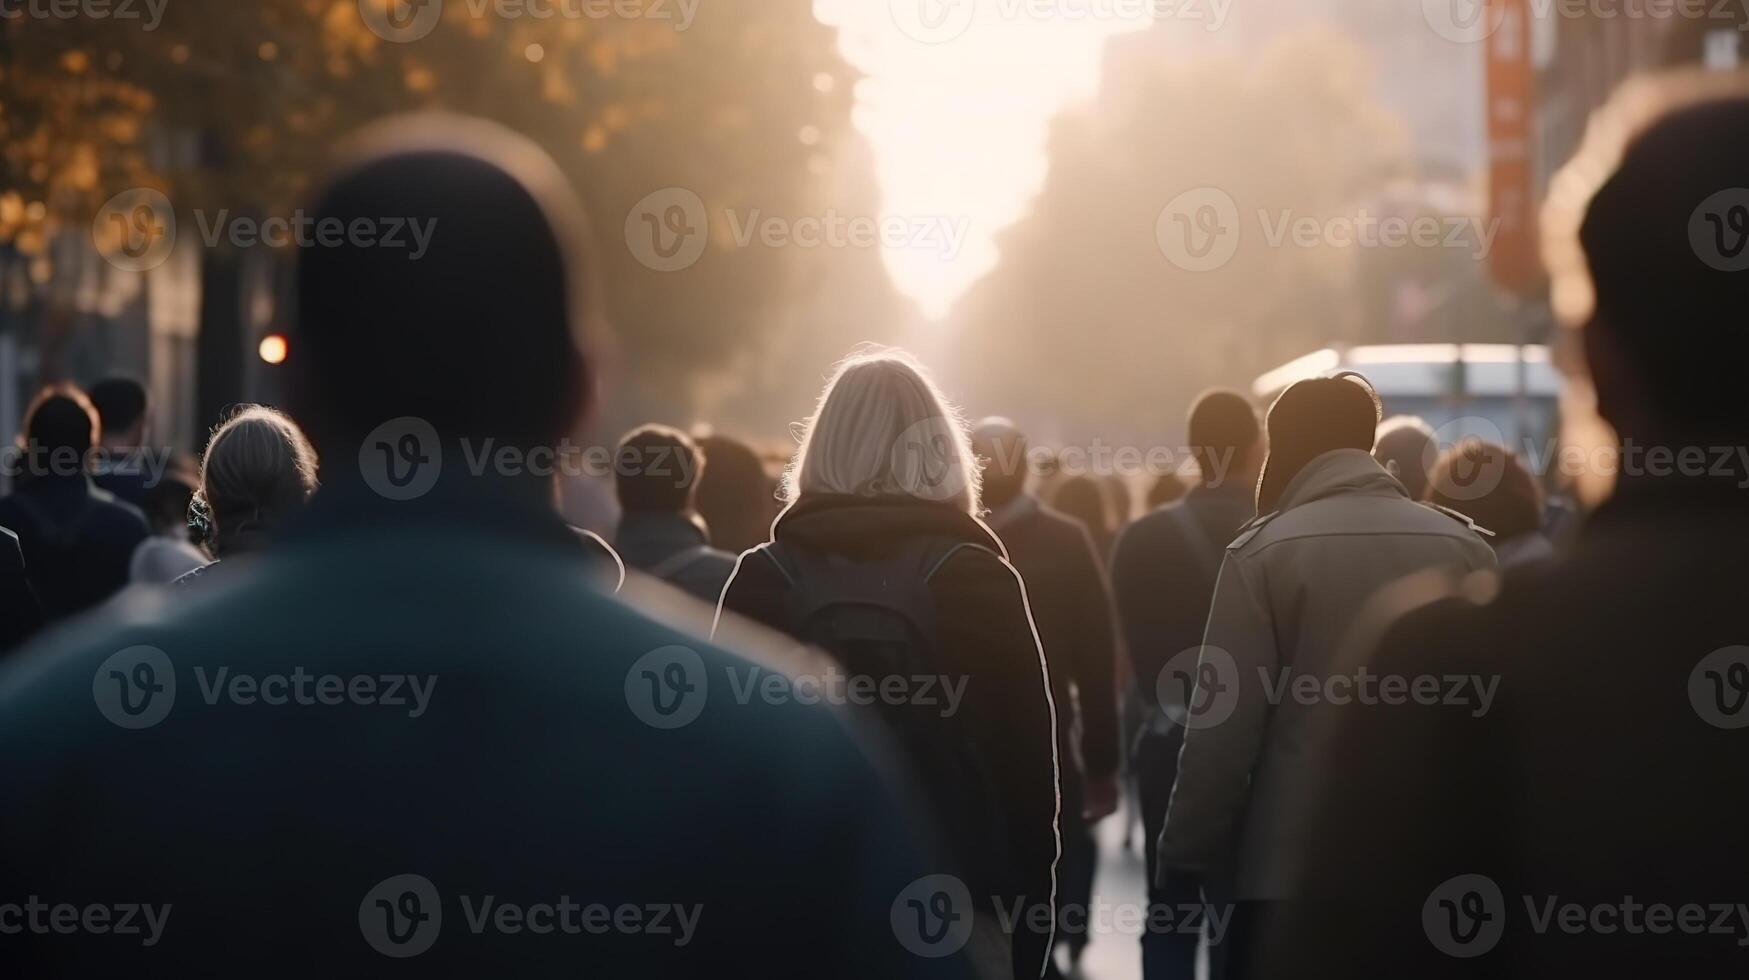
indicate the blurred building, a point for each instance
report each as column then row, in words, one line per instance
column 1580, row 60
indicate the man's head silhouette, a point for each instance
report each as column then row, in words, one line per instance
column 483, row 335
column 1311, row 418
column 1643, row 227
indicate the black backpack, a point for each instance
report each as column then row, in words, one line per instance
column 877, row 619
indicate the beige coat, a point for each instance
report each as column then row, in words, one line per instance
column 1290, row 591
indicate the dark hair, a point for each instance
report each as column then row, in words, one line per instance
column 1222, row 426
column 482, row 336
column 61, row 418
column 1001, row 448
column 1168, row 488
column 735, row 495
column 1488, row 483
column 656, row 470
column 1082, row 498
column 1406, row 447
column 1676, row 319
column 1311, row 418
column 120, row 404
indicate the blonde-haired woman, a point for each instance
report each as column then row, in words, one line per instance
column 879, row 559
column 259, row 470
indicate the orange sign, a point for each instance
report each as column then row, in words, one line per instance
column 1515, row 261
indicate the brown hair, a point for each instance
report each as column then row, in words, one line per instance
column 258, row 470
column 1487, row 483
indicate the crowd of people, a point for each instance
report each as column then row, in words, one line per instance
column 361, row 705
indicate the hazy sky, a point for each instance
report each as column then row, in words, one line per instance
column 956, row 105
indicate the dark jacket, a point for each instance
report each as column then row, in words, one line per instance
column 77, row 540
column 674, row 549
column 542, row 767
column 983, row 632
column 1071, row 606
column 1163, row 574
column 1606, row 771
column 20, row 613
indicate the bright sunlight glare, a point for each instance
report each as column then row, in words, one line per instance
column 956, row 105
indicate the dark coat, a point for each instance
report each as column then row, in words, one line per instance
column 77, row 540
column 20, row 613
column 540, row 769
column 984, row 632
column 1604, row 771
column 675, row 550
column 1163, row 575
column 1071, row 606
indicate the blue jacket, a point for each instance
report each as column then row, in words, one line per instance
column 415, row 739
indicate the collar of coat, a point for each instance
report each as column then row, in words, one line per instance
column 855, row 526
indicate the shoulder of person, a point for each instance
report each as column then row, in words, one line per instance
column 1249, row 532
column 1460, row 517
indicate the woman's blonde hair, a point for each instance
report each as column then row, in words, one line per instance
column 258, row 470
column 883, row 429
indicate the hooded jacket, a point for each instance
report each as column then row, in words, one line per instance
column 985, row 636
column 1276, row 657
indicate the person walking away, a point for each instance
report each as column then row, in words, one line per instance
column 1163, row 574
column 257, row 475
column 660, row 534
column 416, row 733
column 77, row 539
column 1604, row 788
column 1336, row 529
column 880, row 560
column 1071, row 606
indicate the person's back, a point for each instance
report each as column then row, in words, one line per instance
column 77, row 539
column 656, row 474
column 1071, row 608
column 1163, row 572
column 1337, row 529
column 416, row 726
column 879, row 560
column 21, row 613
column 1591, row 824
column 123, row 467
